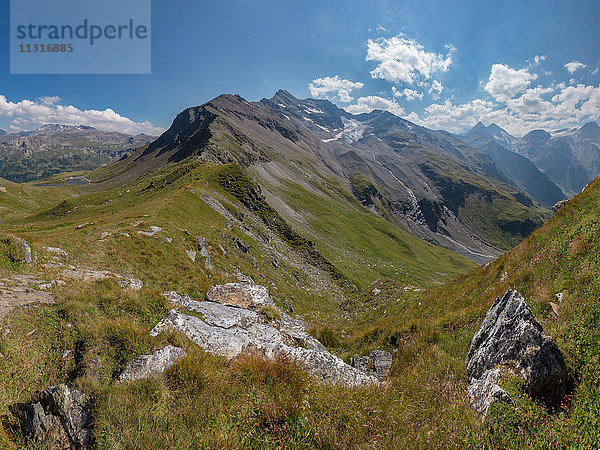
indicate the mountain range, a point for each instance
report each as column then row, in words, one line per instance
column 569, row 158
column 52, row 148
column 292, row 224
column 429, row 182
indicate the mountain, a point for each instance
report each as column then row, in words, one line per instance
column 2, row 132
column 522, row 173
column 53, row 148
column 570, row 158
column 427, row 181
column 109, row 258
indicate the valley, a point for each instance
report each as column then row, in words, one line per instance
column 366, row 232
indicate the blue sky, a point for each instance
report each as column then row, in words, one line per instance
column 438, row 63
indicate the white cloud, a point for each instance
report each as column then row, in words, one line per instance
column 404, row 59
column 321, row 87
column 570, row 106
column 505, row 82
column 436, row 89
column 381, row 28
column 373, row 102
column 410, row 94
column 574, row 65
column 28, row 114
column 538, row 59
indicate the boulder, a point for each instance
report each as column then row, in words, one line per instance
column 59, row 418
column 226, row 328
column 146, row 366
column 510, row 336
column 241, row 295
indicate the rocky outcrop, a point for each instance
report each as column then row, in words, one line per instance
column 147, row 366
column 512, row 337
column 232, row 320
column 378, row 363
column 59, row 418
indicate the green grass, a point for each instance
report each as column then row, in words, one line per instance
column 205, row 401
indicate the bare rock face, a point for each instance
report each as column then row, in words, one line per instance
column 227, row 328
column 147, row 366
column 240, row 295
column 378, row 363
column 60, row 418
column 512, row 337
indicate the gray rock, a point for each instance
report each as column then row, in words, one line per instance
column 147, row 366
column 57, row 251
column 485, row 391
column 152, row 232
column 378, row 363
column 191, row 254
column 204, row 252
column 510, row 335
column 80, row 226
column 230, row 330
column 131, row 283
column 559, row 205
column 240, row 295
column 60, row 418
column 382, row 363
column 26, row 251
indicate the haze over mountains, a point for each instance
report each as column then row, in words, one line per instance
column 569, row 158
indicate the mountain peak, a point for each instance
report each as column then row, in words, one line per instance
column 589, row 130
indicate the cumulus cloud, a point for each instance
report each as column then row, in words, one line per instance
column 538, row 59
column 410, row 94
column 505, row 82
column 28, row 114
column 373, row 102
column 322, row 87
column 403, row 59
column 549, row 108
column 436, row 89
column 574, row 65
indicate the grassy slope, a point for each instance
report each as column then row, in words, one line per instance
column 204, row 401
column 437, row 325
